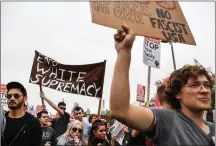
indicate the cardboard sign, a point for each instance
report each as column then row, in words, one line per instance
column 162, row 20
column 151, row 52
column 140, row 93
column 77, row 79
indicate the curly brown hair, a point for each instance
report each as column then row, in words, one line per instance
column 179, row 78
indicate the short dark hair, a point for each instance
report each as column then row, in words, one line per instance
column 16, row 85
column 180, row 77
column 78, row 108
column 39, row 114
column 61, row 103
column 91, row 117
column 160, row 93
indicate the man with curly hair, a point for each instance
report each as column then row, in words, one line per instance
column 188, row 92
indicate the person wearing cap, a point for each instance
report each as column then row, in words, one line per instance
column 21, row 127
column 58, row 124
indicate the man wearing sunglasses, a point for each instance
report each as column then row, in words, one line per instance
column 58, row 124
column 21, row 127
column 188, row 92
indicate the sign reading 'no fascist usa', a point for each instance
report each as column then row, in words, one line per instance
column 161, row 20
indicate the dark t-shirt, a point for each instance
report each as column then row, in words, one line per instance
column 22, row 131
column 48, row 135
column 175, row 128
column 60, row 124
column 138, row 140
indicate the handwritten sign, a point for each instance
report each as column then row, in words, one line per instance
column 162, row 20
column 84, row 80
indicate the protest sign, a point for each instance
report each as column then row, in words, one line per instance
column 3, row 96
column 116, row 128
column 162, row 20
column 151, row 52
column 140, row 93
column 120, row 137
column 77, row 79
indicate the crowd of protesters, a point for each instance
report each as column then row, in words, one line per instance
column 179, row 120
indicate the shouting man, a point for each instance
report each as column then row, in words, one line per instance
column 188, row 92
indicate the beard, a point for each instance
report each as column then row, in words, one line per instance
column 17, row 106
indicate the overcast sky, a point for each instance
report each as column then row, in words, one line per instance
column 64, row 32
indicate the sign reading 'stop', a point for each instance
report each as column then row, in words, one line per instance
column 161, row 20
column 78, row 79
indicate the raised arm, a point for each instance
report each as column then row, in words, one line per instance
column 53, row 105
column 139, row 118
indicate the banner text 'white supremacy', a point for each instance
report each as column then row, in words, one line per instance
column 78, row 79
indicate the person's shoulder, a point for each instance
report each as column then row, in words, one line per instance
column 51, row 129
column 66, row 114
column 210, row 124
column 32, row 118
column 162, row 110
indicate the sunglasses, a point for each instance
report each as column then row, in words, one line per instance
column 16, row 96
column 62, row 108
column 75, row 130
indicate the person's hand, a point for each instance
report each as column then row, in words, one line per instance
column 49, row 124
column 76, row 140
column 124, row 39
column 42, row 95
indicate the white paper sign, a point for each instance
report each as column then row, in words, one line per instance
column 115, row 128
column 151, row 52
column 120, row 137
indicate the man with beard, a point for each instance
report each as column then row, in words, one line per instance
column 48, row 134
column 21, row 127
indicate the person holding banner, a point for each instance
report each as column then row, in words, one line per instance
column 188, row 91
column 58, row 124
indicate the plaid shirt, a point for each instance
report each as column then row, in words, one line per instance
column 149, row 142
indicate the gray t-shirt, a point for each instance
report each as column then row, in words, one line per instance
column 175, row 128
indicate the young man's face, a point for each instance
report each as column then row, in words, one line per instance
column 93, row 119
column 44, row 119
column 62, row 107
column 196, row 94
column 78, row 115
column 15, row 99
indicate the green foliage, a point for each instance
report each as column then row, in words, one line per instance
column 108, row 116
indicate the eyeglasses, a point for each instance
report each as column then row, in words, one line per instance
column 62, row 108
column 15, row 95
column 197, row 86
column 75, row 130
